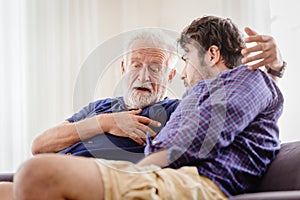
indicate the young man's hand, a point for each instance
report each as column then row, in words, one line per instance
column 266, row 51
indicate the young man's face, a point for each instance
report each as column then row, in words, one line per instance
column 195, row 68
column 147, row 75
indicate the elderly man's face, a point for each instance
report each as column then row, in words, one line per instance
column 147, row 75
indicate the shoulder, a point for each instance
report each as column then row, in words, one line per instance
column 105, row 101
column 167, row 104
column 99, row 106
column 239, row 82
column 167, row 101
column 251, row 84
column 241, row 73
column 242, row 77
column 108, row 103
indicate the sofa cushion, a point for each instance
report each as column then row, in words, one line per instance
column 284, row 172
column 280, row 195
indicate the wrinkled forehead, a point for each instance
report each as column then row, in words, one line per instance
column 143, row 50
column 149, row 55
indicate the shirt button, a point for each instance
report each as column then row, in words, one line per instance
column 90, row 142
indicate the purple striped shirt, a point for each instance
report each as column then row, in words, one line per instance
column 227, row 128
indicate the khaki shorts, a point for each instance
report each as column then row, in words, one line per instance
column 124, row 180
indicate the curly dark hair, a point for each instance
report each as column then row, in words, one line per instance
column 212, row 30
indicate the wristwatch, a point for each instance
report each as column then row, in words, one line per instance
column 277, row 73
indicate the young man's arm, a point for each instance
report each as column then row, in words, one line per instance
column 159, row 158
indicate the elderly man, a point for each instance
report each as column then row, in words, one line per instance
column 217, row 143
column 115, row 128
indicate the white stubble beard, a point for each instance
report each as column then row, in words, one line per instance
column 135, row 99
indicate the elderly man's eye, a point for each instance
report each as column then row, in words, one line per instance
column 155, row 68
column 136, row 66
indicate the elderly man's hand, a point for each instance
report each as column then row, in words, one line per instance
column 266, row 49
column 129, row 124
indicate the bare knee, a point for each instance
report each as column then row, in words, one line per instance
column 6, row 191
column 35, row 177
column 58, row 177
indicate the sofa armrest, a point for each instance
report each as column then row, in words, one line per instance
column 282, row 179
column 284, row 172
column 280, row 195
column 6, row 177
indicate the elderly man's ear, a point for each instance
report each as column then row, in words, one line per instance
column 172, row 74
column 122, row 66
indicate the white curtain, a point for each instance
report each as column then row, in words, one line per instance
column 43, row 44
column 13, row 138
column 285, row 27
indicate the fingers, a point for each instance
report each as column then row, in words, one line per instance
column 256, row 65
column 262, row 60
column 144, row 120
column 147, row 129
column 148, row 121
column 139, row 134
column 254, row 58
column 135, row 112
column 263, row 50
column 247, row 51
column 138, row 140
column 250, row 31
column 139, row 137
column 258, row 38
column 255, row 37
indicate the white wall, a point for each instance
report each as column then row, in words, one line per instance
column 285, row 27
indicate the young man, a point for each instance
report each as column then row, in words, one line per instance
column 217, row 143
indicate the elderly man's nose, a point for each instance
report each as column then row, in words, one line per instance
column 144, row 74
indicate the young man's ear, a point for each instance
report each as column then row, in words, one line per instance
column 214, row 55
column 123, row 66
column 172, row 74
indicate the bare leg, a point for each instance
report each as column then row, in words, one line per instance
column 58, row 177
column 6, row 191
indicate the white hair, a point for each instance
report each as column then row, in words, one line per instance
column 156, row 38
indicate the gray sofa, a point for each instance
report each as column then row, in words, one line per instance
column 6, row 177
column 281, row 182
